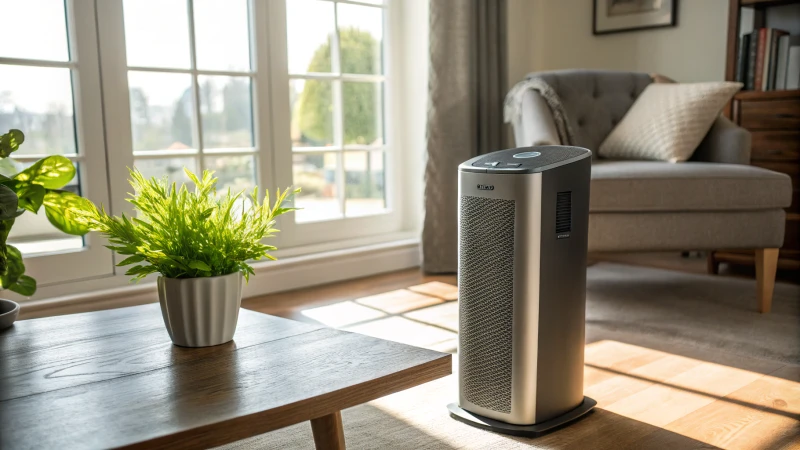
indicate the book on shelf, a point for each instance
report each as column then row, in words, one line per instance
column 793, row 68
column 752, row 56
column 772, row 59
column 763, row 60
column 783, row 60
column 783, row 79
column 741, row 60
column 758, row 81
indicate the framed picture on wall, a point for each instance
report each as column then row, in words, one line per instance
column 615, row 16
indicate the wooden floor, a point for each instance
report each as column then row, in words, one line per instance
column 646, row 398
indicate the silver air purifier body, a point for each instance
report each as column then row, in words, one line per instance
column 523, row 223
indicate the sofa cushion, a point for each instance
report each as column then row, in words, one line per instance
column 594, row 100
column 629, row 186
column 668, row 121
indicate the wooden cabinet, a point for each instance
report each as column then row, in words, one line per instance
column 773, row 118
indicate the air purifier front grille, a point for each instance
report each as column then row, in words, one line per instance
column 486, row 300
column 563, row 212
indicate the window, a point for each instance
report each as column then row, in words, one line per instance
column 273, row 93
column 48, row 89
column 189, row 81
column 332, row 103
column 336, row 86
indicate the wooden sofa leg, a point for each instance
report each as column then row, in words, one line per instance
column 766, row 265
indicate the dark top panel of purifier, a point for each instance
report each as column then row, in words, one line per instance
column 525, row 159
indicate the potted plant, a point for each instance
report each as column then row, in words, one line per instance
column 38, row 185
column 198, row 242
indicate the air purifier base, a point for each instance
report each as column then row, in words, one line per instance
column 462, row 415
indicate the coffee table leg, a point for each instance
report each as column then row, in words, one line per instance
column 328, row 433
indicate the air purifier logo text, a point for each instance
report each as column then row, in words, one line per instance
column 485, row 187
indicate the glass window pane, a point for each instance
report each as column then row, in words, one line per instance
column 315, row 174
column 360, row 38
column 236, row 173
column 222, row 37
column 365, row 181
column 172, row 167
column 363, row 113
column 312, row 113
column 309, row 31
column 162, row 110
column 157, row 33
column 34, row 29
column 225, row 107
column 38, row 101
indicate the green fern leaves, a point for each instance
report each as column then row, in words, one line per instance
column 186, row 234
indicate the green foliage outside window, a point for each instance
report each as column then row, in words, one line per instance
column 360, row 100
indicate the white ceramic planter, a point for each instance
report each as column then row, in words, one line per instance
column 201, row 312
column 8, row 313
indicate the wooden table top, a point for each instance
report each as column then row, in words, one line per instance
column 114, row 379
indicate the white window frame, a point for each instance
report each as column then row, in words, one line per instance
column 93, row 260
column 343, row 228
column 117, row 107
column 271, row 121
column 105, row 147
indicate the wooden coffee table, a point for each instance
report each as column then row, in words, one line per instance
column 114, row 379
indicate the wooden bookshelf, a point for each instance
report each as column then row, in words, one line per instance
column 767, row 95
column 766, row 3
column 773, row 118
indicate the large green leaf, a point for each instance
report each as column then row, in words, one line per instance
column 53, row 172
column 30, row 196
column 5, row 228
column 9, row 142
column 15, row 269
column 25, row 285
column 131, row 260
column 8, row 203
column 199, row 265
column 60, row 206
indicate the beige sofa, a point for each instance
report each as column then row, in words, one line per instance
column 713, row 201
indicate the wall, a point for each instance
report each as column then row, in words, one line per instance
column 557, row 34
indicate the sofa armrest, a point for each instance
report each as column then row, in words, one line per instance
column 724, row 143
column 534, row 125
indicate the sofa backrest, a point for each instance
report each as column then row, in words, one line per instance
column 594, row 100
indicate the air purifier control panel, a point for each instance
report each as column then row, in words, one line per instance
column 525, row 160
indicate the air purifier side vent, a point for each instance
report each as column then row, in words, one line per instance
column 486, row 300
column 563, row 214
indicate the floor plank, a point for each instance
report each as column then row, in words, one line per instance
column 770, row 404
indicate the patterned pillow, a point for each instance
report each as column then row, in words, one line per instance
column 668, row 121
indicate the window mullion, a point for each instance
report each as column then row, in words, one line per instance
column 338, row 111
column 198, row 129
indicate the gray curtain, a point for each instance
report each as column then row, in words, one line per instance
column 467, row 85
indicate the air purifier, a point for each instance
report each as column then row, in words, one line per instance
column 522, row 230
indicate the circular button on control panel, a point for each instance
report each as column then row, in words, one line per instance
column 527, row 155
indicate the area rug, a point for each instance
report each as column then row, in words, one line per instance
column 675, row 312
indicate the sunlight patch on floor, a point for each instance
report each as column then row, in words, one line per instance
column 399, row 301
column 425, row 315
column 444, row 315
column 342, row 314
column 437, row 289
